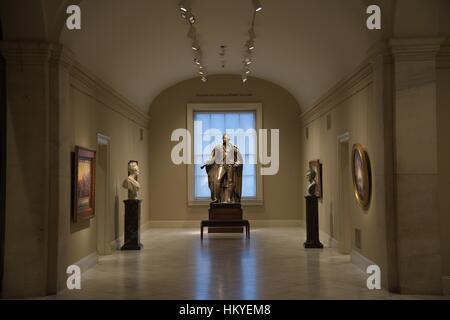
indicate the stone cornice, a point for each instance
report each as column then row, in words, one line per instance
column 26, row 53
column 346, row 88
column 416, row 49
column 383, row 52
column 29, row 53
column 86, row 82
column 62, row 55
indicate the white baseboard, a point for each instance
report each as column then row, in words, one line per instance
column 145, row 225
column 196, row 223
column 446, row 285
column 361, row 261
column 275, row 223
column 174, row 223
column 87, row 262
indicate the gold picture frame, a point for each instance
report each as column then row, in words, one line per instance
column 83, row 199
column 362, row 176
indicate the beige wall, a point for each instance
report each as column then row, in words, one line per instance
column 357, row 116
column 91, row 117
column 168, row 195
column 64, row 106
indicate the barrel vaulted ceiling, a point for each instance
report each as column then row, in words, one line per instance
column 140, row 47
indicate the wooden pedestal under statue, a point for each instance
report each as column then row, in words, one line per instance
column 132, row 225
column 225, row 211
column 312, row 223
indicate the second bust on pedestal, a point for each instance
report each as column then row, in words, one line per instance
column 224, row 170
column 312, row 184
column 131, row 182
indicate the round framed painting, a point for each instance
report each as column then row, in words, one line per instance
column 362, row 176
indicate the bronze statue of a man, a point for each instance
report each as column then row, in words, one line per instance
column 224, row 169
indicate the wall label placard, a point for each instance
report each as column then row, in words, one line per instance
column 203, row 95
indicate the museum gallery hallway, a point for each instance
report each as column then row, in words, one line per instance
column 175, row 264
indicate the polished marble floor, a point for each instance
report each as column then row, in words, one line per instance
column 175, row 264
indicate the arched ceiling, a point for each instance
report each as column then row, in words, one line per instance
column 140, row 47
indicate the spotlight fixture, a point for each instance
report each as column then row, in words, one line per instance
column 195, row 45
column 257, row 4
column 250, row 45
column 191, row 18
column 183, row 6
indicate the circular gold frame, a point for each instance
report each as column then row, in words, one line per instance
column 363, row 199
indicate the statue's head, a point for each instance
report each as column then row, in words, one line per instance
column 133, row 167
column 226, row 139
column 310, row 175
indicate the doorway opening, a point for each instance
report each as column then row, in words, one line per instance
column 344, row 217
column 104, row 218
column 2, row 160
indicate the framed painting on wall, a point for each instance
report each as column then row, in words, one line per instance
column 316, row 166
column 83, row 184
column 362, row 175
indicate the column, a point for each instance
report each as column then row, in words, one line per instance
column 416, row 170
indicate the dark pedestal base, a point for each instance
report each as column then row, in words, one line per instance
column 225, row 211
column 132, row 225
column 312, row 223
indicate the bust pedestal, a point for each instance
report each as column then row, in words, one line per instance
column 132, row 225
column 312, row 223
column 225, row 211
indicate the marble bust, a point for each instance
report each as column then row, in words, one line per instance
column 312, row 185
column 131, row 182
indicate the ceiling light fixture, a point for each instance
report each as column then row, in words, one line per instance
column 257, row 4
column 189, row 17
column 250, row 44
column 195, row 45
column 183, row 6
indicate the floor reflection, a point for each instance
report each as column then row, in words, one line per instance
column 225, row 268
column 273, row 264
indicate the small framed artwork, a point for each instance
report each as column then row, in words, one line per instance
column 83, row 184
column 362, row 176
column 317, row 167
